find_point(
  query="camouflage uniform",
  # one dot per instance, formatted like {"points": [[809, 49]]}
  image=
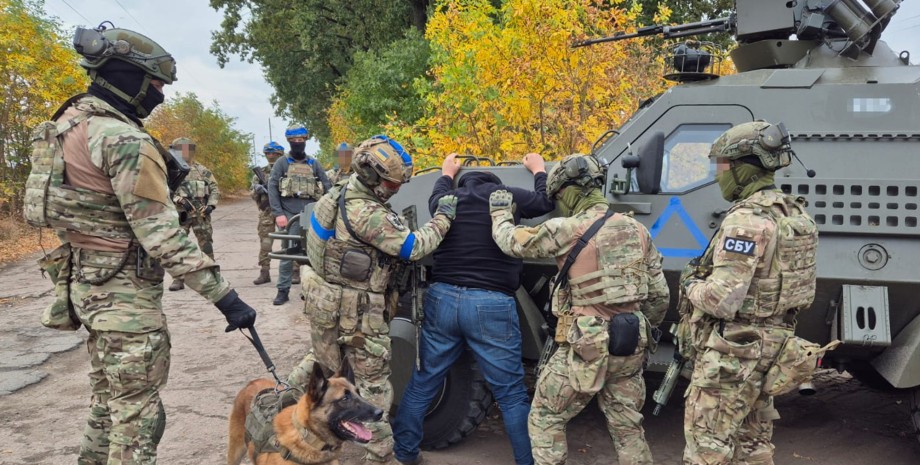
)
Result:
{"points": [[582, 366], [266, 219], [350, 317], [197, 192], [128, 340], [338, 174], [757, 272]]}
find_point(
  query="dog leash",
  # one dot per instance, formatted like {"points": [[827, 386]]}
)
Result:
{"points": [[257, 343]]}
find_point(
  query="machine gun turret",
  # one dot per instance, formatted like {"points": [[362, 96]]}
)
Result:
{"points": [[669, 32]]}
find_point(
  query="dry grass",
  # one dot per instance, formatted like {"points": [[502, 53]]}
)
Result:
{"points": [[17, 239]]}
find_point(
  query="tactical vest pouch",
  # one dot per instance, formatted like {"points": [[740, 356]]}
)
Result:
{"points": [[624, 334], [198, 189], [589, 339], [299, 182], [325, 299], [44, 166], [356, 265], [60, 314], [795, 364], [266, 405]]}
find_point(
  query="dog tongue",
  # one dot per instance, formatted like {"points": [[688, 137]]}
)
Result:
{"points": [[362, 433]]}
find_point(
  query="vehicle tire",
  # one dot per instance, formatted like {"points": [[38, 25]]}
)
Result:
{"points": [[460, 404], [869, 377], [914, 399]]}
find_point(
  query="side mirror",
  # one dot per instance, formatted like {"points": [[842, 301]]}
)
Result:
{"points": [[651, 156]]}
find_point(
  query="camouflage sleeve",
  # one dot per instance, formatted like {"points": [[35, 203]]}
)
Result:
{"points": [[213, 190], [138, 176], [381, 227], [659, 296], [739, 246], [553, 238]]}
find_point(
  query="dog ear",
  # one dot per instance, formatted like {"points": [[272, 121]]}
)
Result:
{"points": [[346, 372], [318, 384]]}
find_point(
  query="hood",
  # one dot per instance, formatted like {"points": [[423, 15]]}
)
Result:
{"points": [[476, 178]]}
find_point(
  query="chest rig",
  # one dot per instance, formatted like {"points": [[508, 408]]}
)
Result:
{"points": [[300, 180], [350, 261]]}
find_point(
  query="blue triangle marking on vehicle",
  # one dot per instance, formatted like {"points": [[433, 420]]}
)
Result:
{"points": [[674, 206]]}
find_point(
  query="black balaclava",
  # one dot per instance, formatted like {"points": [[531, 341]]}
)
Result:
{"points": [[129, 79], [477, 177], [297, 150]]}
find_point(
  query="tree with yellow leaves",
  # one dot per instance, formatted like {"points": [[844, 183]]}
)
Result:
{"points": [[506, 81], [38, 72], [220, 147]]}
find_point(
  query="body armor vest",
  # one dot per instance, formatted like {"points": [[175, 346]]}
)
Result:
{"points": [[300, 180], [339, 257], [51, 203], [788, 276], [620, 275]]}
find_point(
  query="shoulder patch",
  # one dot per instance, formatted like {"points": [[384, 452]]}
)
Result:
{"points": [[151, 176], [738, 245], [397, 223]]}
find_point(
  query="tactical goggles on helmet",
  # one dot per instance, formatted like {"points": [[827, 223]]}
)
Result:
{"points": [[99, 45]]}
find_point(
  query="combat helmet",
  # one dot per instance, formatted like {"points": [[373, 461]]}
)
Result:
{"points": [[296, 130], [179, 141], [100, 46], [575, 169], [381, 158], [766, 143], [344, 147], [272, 147]]}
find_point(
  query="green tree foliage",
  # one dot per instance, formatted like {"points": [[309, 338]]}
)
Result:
{"points": [[38, 71], [379, 89], [220, 147], [306, 47]]}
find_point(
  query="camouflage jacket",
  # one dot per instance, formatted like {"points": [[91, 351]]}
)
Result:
{"points": [[199, 188], [337, 175], [741, 254], [556, 238], [261, 199], [378, 225], [123, 156]]}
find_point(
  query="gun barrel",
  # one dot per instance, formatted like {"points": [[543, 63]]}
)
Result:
{"points": [[668, 32]]}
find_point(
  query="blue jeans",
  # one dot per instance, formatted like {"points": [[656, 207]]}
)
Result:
{"points": [[286, 267], [487, 322]]}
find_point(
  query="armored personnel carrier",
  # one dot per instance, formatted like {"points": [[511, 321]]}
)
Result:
{"points": [[852, 108]]}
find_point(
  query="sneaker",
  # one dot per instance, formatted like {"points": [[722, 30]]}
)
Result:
{"points": [[282, 297], [416, 461]]}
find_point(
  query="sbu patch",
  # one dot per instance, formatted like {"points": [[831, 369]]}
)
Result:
{"points": [[397, 223], [736, 245]]}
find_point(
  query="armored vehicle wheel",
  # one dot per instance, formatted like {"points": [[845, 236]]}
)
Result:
{"points": [[869, 377], [915, 410], [460, 405]]}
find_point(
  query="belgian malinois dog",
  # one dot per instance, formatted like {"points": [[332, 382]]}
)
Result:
{"points": [[312, 430]]}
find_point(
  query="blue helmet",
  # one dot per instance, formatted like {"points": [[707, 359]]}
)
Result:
{"points": [[344, 147], [273, 147], [296, 130]]}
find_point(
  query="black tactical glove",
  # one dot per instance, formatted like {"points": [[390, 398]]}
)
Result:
{"points": [[237, 312], [209, 209]]}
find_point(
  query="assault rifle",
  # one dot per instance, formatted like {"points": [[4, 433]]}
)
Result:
{"points": [[666, 388], [260, 175], [669, 32], [413, 278]]}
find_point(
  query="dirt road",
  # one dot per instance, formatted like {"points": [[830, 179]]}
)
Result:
{"points": [[44, 392]]}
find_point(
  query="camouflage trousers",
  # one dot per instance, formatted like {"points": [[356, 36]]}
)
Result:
{"points": [[126, 416], [204, 232], [571, 378], [728, 419], [128, 347], [266, 226], [350, 323]]}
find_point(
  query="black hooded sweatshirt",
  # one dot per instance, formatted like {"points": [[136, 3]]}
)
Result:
{"points": [[468, 256]]}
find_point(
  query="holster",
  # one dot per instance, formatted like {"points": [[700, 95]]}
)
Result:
{"points": [[60, 314]]}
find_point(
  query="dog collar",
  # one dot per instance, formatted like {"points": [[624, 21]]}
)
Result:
{"points": [[309, 437]]}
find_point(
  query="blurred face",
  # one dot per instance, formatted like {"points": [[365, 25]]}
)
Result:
{"points": [[722, 165], [344, 159], [188, 151]]}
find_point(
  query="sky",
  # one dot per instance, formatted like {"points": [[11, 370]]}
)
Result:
{"points": [[183, 28]]}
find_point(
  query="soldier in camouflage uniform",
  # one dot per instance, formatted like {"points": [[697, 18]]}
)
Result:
{"points": [[343, 169], [756, 274], [196, 199], [615, 287], [295, 181], [273, 151], [100, 181], [354, 243]]}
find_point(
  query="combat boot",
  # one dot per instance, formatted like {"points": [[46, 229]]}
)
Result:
{"points": [[264, 277], [282, 297], [295, 275], [418, 460], [177, 285]]}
